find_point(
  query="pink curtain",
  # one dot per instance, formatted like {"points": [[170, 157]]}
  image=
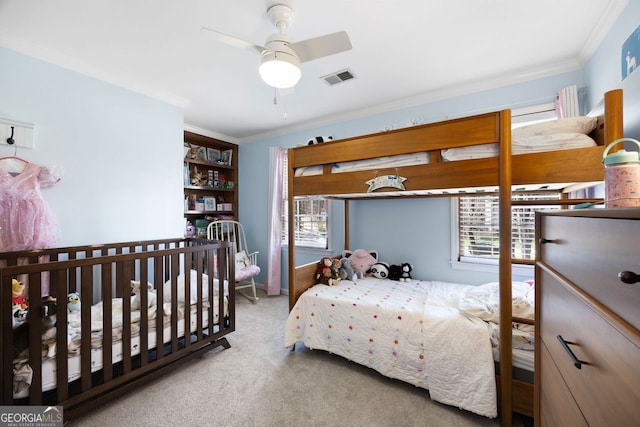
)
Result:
{"points": [[274, 274]]}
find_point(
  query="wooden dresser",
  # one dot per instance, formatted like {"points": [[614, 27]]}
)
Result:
{"points": [[587, 356]]}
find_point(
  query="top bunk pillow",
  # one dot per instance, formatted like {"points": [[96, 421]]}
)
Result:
{"points": [[580, 124]]}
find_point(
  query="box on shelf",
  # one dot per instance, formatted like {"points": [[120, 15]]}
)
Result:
{"points": [[224, 206]]}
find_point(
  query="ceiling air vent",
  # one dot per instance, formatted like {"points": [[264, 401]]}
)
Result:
{"points": [[338, 77]]}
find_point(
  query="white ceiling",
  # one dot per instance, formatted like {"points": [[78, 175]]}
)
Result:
{"points": [[405, 52]]}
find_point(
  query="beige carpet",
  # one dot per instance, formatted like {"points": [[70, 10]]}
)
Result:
{"points": [[257, 382]]}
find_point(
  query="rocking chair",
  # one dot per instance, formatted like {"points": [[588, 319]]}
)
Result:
{"points": [[246, 263]]}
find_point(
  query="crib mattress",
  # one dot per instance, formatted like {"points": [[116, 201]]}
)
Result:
{"points": [[22, 371]]}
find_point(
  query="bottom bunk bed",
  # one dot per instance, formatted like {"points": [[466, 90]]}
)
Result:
{"points": [[443, 337], [94, 321]]}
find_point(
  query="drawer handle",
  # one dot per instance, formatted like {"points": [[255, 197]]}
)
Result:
{"points": [[629, 277], [544, 241], [576, 362]]}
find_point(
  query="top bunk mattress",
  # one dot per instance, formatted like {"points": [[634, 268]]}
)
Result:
{"points": [[561, 134]]}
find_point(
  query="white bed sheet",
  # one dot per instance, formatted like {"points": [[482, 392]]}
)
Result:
{"points": [[410, 331]]}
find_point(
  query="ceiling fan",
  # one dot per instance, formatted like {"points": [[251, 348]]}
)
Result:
{"points": [[281, 57]]}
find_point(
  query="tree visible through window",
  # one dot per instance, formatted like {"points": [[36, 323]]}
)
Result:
{"points": [[310, 219]]}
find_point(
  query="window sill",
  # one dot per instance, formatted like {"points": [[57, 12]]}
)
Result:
{"points": [[516, 269], [309, 250]]}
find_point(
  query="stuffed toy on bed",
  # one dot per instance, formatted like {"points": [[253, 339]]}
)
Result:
{"points": [[401, 273], [361, 260], [319, 139], [346, 271], [380, 270], [324, 272]]}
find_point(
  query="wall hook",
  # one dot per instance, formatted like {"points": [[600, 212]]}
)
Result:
{"points": [[10, 140]]}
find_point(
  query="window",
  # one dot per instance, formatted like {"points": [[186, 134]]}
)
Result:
{"points": [[478, 239], [476, 223], [311, 217]]}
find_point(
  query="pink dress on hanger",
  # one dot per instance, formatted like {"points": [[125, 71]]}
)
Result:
{"points": [[26, 220]]}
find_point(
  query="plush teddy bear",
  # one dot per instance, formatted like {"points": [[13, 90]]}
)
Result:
{"points": [[152, 297], [361, 260], [346, 271], [324, 273], [335, 269], [380, 270]]}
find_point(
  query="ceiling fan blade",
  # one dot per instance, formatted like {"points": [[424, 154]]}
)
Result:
{"points": [[319, 47], [232, 41]]}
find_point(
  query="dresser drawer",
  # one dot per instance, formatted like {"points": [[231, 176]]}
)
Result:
{"points": [[607, 387], [557, 407], [590, 252]]}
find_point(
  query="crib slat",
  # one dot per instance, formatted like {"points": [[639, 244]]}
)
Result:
{"points": [[158, 274], [174, 266], [123, 277], [107, 321], [144, 311], [86, 292], [59, 280], [35, 336]]}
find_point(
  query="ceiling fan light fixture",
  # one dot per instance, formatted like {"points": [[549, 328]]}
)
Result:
{"points": [[280, 70]]}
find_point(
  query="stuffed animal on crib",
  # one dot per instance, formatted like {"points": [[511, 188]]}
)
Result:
{"points": [[346, 271], [17, 297], [380, 270], [324, 272], [401, 273], [152, 297], [361, 260], [73, 302], [21, 332]]}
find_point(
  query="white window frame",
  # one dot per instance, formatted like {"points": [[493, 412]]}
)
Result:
{"points": [[300, 243]]}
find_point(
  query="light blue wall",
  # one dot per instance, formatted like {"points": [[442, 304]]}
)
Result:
{"points": [[602, 72], [418, 230], [120, 152]]}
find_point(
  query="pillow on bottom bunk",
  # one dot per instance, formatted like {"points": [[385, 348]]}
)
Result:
{"points": [[483, 301]]}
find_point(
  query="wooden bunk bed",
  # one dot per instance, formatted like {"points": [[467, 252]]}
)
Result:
{"points": [[445, 178], [186, 309]]}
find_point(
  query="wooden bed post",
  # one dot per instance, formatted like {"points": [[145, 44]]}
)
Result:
{"points": [[291, 231], [505, 401], [346, 224], [613, 119]]}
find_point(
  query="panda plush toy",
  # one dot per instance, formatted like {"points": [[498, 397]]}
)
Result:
{"points": [[319, 139], [380, 270]]}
